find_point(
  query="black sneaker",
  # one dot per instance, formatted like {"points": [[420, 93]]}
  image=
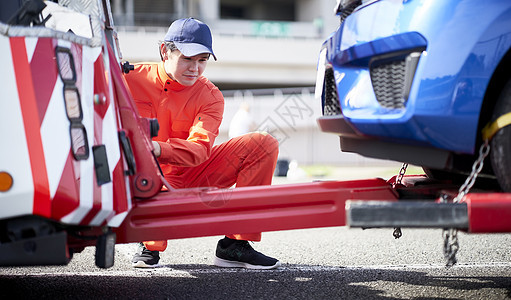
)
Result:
{"points": [[145, 258], [239, 254]]}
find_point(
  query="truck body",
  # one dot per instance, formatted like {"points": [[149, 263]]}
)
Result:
{"points": [[77, 167]]}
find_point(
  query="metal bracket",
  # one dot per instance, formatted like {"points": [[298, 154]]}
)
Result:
{"points": [[414, 214]]}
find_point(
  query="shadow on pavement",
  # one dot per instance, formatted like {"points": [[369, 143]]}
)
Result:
{"points": [[288, 282]]}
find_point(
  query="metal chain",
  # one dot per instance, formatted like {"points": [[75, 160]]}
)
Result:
{"points": [[401, 174], [476, 169], [451, 243], [397, 231], [451, 246]]}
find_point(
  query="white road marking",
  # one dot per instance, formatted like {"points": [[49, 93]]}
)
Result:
{"points": [[187, 271]]}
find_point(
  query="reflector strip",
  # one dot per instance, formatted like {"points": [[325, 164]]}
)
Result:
{"points": [[42, 203]]}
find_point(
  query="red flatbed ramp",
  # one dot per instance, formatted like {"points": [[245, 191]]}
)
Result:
{"points": [[186, 213]]}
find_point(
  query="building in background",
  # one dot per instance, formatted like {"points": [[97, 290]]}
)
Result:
{"points": [[259, 44], [267, 54]]}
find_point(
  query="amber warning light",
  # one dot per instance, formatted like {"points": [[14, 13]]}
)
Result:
{"points": [[5, 181]]}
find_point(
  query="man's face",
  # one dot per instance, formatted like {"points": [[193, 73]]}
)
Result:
{"points": [[183, 69]]}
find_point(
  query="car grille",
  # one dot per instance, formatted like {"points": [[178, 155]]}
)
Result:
{"points": [[331, 106], [388, 83], [392, 78]]}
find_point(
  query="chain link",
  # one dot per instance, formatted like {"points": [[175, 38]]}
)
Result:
{"points": [[397, 230], [451, 246], [397, 233], [451, 243], [401, 174], [476, 169]]}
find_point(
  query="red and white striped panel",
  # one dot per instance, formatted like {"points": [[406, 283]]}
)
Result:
{"points": [[36, 143]]}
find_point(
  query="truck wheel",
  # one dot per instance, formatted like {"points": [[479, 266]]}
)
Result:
{"points": [[105, 250], [500, 153]]}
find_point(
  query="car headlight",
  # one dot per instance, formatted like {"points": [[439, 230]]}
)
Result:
{"points": [[342, 5], [344, 8], [320, 75]]}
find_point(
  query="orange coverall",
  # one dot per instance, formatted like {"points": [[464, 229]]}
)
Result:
{"points": [[189, 118]]}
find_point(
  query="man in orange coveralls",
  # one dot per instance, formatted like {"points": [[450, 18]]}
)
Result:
{"points": [[189, 109]]}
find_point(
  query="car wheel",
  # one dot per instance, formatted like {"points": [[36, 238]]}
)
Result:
{"points": [[485, 180], [443, 175], [500, 153]]}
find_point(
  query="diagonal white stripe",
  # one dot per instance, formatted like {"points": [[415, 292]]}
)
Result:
{"points": [[55, 137], [15, 158]]}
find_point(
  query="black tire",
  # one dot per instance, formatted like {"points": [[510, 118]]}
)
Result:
{"points": [[500, 153], [485, 180], [442, 175]]}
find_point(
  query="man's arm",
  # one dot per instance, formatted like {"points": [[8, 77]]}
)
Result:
{"points": [[197, 147]]}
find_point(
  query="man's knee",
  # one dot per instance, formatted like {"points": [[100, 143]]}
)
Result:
{"points": [[265, 141]]}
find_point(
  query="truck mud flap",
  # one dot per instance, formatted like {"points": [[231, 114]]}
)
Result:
{"points": [[39, 250]]}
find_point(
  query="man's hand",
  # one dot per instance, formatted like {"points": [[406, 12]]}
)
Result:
{"points": [[157, 149]]}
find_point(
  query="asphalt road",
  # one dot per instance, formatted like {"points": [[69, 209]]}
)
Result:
{"points": [[321, 263]]}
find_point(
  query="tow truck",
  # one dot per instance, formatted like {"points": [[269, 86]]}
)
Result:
{"points": [[77, 167]]}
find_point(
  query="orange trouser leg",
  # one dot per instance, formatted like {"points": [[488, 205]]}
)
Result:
{"points": [[156, 245], [247, 160], [254, 237]]}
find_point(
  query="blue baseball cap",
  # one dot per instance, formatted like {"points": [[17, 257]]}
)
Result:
{"points": [[191, 37]]}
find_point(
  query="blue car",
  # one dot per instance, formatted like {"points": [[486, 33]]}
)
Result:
{"points": [[416, 81]]}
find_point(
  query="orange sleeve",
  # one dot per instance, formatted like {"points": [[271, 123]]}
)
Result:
{"points": [[202, 134], [203, 106]]}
